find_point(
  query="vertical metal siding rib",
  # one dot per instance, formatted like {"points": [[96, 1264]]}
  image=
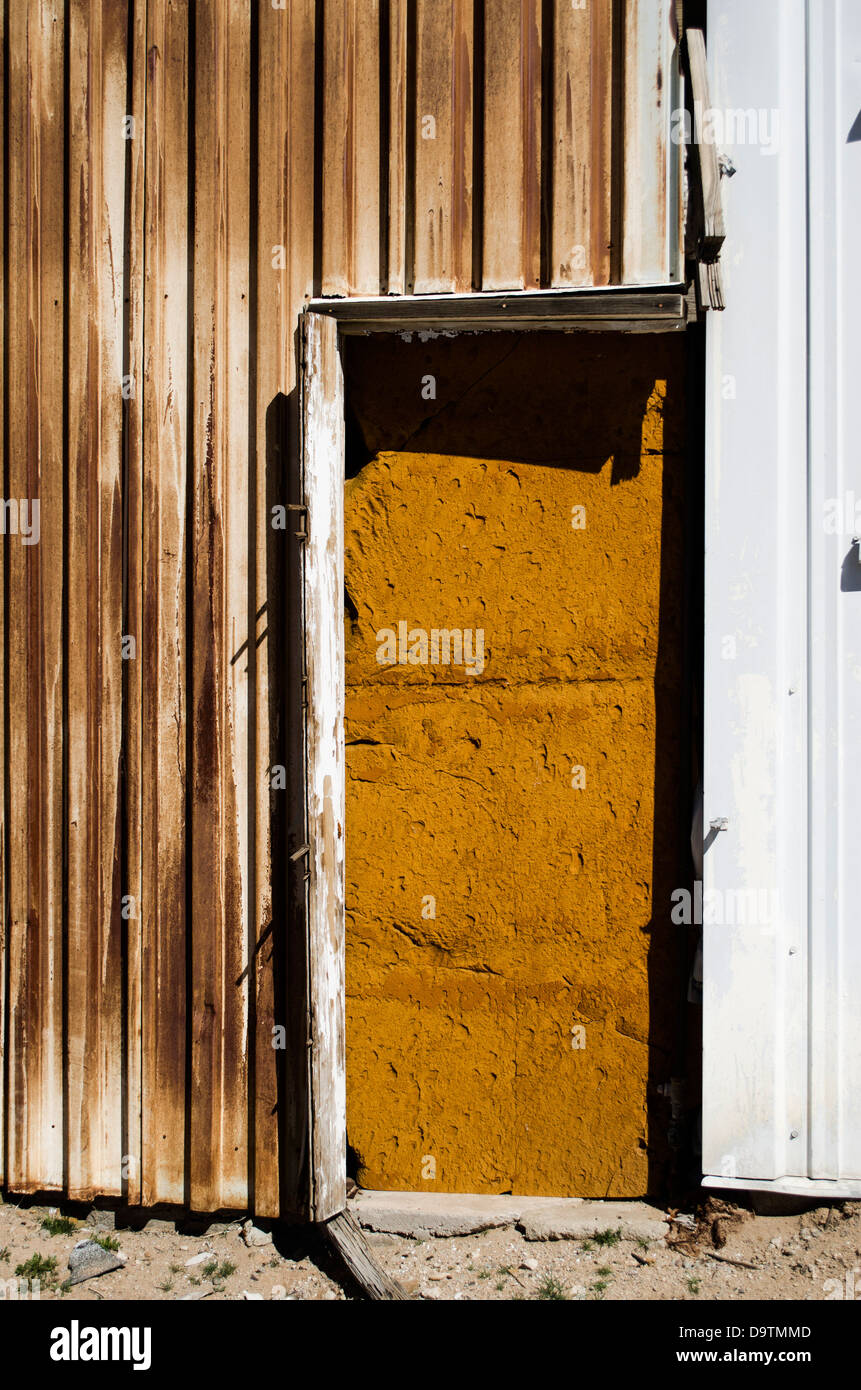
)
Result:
{"points": [[583, 43], [3, 620], [97, 91], [133, 591], [511, 254], [285, 224], [351, 148], [35, 597], [222, 624], [650, 89], [443, 146], [159, 534], [398, 192]]}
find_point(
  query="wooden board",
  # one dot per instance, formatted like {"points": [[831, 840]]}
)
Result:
{"points": [[323, 483], [713, 229], [348, 1240]]}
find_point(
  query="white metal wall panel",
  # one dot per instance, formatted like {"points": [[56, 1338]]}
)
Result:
{"points": [[754, 766], [835, 589], [782, 999]]}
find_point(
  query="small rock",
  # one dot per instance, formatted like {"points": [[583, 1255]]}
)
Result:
{"points": [[102, 1220], [252, 1297], [198, 1259], [409, 1285], [577, 1291], [88, 1260], [529, 1264], [432, 1294], [253, 1236], [195, 1297]]}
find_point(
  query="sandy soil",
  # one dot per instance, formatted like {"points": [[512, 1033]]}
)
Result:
{"points": [[813, 1256]]}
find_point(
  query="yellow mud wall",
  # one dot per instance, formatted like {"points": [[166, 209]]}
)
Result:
{"points": [[513, 831]]}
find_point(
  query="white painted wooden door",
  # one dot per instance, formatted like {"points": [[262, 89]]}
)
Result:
{"points": [[323, 488]]}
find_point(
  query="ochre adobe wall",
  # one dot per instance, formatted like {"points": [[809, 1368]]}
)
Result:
{"points": [[550, 901]]}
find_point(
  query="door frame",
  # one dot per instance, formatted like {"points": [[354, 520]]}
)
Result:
{"points": [[646, 309]]}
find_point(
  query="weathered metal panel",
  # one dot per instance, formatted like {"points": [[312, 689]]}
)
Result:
{"points": [[407, 145], [782, 1039], [834, 160], [755, 1122], [323, 487]]}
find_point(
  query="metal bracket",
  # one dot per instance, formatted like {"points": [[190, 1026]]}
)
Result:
{"points": [[300, 507]]}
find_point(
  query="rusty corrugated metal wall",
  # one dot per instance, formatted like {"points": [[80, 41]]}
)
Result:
{"points": [[179, 179]]}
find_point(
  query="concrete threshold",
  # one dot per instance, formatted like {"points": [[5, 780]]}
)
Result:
{"points": [[424, 1214]]}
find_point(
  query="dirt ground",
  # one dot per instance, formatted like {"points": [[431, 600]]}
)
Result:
{"points": [[719, 1252]]}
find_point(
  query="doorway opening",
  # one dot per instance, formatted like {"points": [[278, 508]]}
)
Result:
{"points": [[521, 757]]}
